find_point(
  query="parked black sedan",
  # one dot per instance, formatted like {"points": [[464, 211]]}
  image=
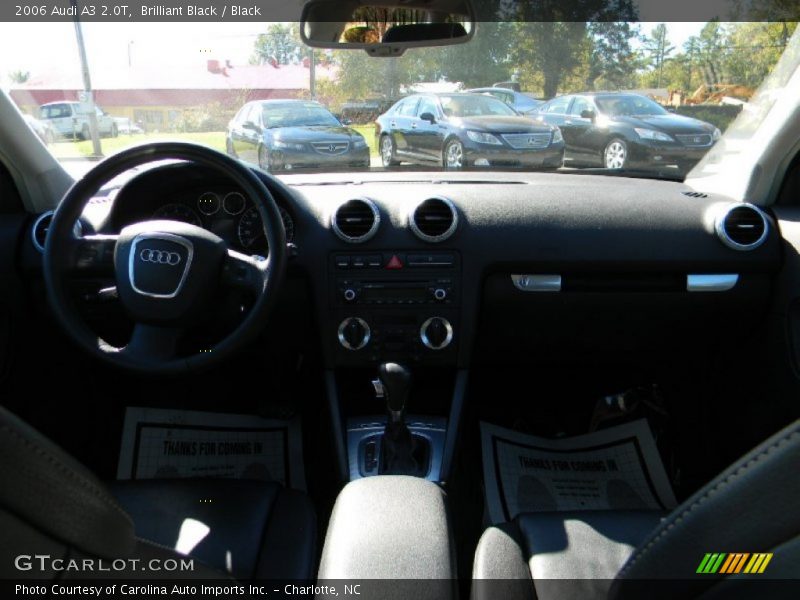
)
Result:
{"points": [[280, 135], [465, 130], [618, 130]]}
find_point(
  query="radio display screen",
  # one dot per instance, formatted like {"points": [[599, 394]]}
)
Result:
{"points": [[394, 293]]}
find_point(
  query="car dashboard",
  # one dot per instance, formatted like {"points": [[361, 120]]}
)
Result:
{"points": [[458, 269]]}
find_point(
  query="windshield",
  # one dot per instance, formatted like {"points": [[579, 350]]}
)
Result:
{"points": [[233, 85], [290, 115], [474, 106], [616, 106]]}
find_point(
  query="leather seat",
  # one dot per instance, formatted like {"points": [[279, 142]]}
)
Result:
{"points": [[750, 507], [52, 505]]}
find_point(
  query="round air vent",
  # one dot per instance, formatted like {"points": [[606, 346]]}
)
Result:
{"points": [[40, 227], [742, 226], [356, 220], [434, 219]]}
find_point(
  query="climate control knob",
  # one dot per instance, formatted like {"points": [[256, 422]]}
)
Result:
{"points": [[436, 333], [354, 333]]}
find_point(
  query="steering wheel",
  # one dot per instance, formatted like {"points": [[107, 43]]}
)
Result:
{"points": [[167, 272]]}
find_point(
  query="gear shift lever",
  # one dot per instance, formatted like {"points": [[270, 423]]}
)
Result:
{"points": [[396, 380], [398, 447]]}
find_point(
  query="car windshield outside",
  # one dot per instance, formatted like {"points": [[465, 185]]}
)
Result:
{"points": [[463, 105], [290, 115], [665, 94], [628, 105]]}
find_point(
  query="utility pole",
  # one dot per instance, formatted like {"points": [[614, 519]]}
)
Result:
{"points": [[87, 85], [312, 74]]}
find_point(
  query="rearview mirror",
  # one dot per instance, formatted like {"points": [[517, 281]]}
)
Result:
{"points": [[588, 114], [385, 30], [429, 117]]}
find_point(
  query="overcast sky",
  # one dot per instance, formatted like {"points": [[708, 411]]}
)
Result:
{"points": [[36, 46]]}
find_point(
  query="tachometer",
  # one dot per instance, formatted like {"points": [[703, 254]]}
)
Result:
{"points": [[178, 212], [251, 231]]}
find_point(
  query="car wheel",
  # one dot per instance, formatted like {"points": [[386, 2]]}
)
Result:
{"points": [[616, 154], [453, 155], [263, 158], [85, 133], [387, 152]]}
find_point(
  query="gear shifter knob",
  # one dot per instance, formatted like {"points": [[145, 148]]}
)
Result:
{"points": [[396, 380]]}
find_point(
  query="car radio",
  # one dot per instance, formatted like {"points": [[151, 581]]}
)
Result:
{"points": [[395, 305], [429, 291]]}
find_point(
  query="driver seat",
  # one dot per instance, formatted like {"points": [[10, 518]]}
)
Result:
{"points": [[52, 505]]}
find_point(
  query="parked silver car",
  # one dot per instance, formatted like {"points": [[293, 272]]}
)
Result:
{"points": [[71, 119]]}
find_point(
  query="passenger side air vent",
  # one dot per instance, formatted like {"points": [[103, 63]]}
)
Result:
{"points": [[693, 194], [742, 226], [356, 220], [434, 219]]}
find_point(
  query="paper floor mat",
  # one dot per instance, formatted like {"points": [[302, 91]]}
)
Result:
{"points": [[160, 443], [613, 469]]}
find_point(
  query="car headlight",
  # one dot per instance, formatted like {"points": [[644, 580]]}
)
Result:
{"points": [[483, 138], [717, 134], [359, 142], [284, 145], [651, 134], [557, 137]]}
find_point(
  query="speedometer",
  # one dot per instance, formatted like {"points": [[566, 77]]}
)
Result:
{"points": [[178, 212], [251, 230]]}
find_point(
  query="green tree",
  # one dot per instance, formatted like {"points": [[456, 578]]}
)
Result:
{"points": [[19, 76], [657, 49], [281, 42], [612, 60]]}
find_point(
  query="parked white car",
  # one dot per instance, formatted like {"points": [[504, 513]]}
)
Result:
{"points": [[126, 127], [71, 119]]}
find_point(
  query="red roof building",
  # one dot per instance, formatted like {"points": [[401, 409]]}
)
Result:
{"points": [[157, 98]]}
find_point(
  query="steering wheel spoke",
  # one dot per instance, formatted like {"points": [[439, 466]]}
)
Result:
{"points": [[152, 343], [242, 271], [93, 253]]}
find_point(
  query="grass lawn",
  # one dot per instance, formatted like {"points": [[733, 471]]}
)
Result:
{"points": [[70, 149], [214, 139], [368, 131]]}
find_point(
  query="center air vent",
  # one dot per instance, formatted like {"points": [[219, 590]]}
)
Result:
{"points": [[742, 226], [356, 220], [434, 219], [694, 194]]}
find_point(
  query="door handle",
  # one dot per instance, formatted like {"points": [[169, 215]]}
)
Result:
{"points": [[413, 126], [393, 123]]}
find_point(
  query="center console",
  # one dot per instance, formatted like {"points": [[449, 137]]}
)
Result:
{"points": [[395, 306]]}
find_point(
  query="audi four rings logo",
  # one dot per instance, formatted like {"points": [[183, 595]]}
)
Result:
{"points": [[161, 257]]}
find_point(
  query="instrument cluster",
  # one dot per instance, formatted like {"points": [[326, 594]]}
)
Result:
{"points": [[228, 214]]}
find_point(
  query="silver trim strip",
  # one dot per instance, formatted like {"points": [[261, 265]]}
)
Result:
{"points": [[537, 283], [434, 238], [719, 226], [343, 341], [424, 336], [168, 237], [372, 231], [711, 282]]}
